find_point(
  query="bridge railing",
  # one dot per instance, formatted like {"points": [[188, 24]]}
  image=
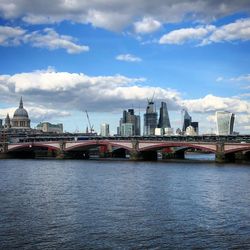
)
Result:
{"points": [[73, 137]]}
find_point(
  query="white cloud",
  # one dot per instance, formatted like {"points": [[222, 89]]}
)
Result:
{"points": [[128, 58], [146, 25], [239, 30], [116, 15], [10, 35], [181, 36], [211, 103], [204, 35], [48, 38], [37, 114], [77, 91], [242, 78], [219, 79]]}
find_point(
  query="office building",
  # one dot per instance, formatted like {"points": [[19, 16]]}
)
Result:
{"points": [[195, 125], [104, 129], [130, 118], [150, 119], [225, 122], [164, 117], [127, 129], [187, 119], [50, 128], [158, 131]]}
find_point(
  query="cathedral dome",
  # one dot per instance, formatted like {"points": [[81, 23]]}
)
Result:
{"points": [[21, 112]]}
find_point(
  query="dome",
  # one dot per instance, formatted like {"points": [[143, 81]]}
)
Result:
{"points": [[21, 112]]}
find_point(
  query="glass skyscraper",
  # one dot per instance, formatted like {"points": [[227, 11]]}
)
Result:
{"points": [[187, 119], [225, 122], [164, 117], [133, 126]]}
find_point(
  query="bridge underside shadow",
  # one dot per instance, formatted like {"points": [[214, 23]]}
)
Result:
{"points": [[32, 153]]}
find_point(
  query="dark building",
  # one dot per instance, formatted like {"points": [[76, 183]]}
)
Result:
{"points": [[187, 119], [164, 117], [195, 125], [150, 119], [130, 118]]}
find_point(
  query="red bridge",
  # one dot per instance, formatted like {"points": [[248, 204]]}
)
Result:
{"points": [[136, 148]]}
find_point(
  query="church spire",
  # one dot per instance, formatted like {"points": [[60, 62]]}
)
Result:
{"points": [[21, 103]]}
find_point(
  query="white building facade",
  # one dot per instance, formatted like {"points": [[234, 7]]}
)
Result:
{"points": [[225, 122], [104, 130]]}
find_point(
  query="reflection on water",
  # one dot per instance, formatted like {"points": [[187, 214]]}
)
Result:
{"points": [[123, 205]]}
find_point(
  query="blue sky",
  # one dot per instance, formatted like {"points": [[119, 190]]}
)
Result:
{"points": [[67, 56]]}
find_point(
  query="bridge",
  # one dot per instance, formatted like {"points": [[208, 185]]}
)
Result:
{"points": [[138, 148]]}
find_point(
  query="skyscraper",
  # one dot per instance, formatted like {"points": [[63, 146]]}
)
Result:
{"points": [[104, 129], [133, 120], [225, 122], [150, 119], [187, 119], [164, 118]]}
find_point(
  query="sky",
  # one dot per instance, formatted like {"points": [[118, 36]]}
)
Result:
{"points": [[67, 56]]}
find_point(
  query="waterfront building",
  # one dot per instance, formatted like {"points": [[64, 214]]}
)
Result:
{"points": [[187, 119], [150, 119], [164, 121], [50, 128], [225, 122], [127, 129], [104, 129], [158, 131], [168, 131], [129, 117]]}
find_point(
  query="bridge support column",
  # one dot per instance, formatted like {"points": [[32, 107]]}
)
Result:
{"points": [[60, 154], [135, 154], [220, 156], [105, 151]]}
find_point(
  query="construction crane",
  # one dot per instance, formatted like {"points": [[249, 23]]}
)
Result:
{"points": [[91, 127]]}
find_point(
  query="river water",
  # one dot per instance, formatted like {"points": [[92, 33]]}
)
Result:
{"points": [[53, 204]]}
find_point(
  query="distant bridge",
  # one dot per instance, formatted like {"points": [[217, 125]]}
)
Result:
{"points": [[134, 146]]}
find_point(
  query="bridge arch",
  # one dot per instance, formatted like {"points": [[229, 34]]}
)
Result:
{"points": [[91, 144], [185, 146], [30, 146], [237, 150]]}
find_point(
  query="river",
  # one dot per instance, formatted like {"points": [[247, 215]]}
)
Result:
{"points": [[77, 204]]}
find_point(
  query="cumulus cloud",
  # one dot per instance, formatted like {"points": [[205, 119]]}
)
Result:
{"points": [[128, 58], [51, 40], [238, 30], [10, 36], [204, 35], [211, 103], [78, 91], [47, 38], [181, 36], [146, 25], [116, 15]]}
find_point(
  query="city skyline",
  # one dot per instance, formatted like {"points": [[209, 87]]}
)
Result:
{"points": [[77, 56]]}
